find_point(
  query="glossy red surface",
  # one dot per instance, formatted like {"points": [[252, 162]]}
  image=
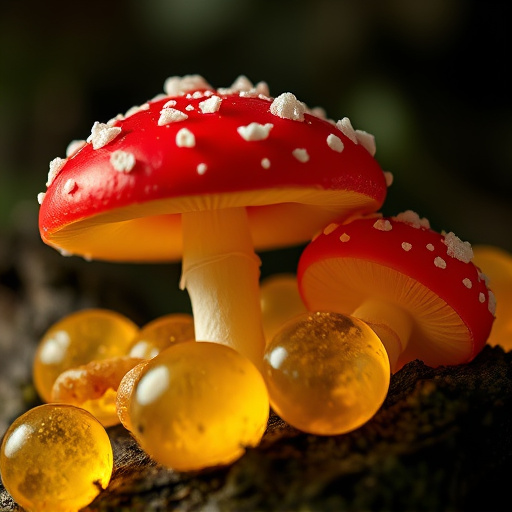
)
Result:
{"points": [[385, 248], [165, 171]]}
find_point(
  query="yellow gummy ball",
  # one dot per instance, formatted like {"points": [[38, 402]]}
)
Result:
{"points": [[496, 264], [326, 373], [197, 405], [77, 339], [280, 301], [55, 458], [161, 333]]}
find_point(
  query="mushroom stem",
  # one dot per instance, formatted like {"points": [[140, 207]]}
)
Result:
{"points": [[221, 275], [391, 323]]}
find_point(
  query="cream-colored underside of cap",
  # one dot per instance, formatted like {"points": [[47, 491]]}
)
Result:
{"points": [[438, 337], [152, 231]]}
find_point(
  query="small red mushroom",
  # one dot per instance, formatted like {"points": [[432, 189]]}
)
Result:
{"points": [[417, 288], [210, 175]]}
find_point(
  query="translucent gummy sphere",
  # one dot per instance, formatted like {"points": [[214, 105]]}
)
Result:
{"points": [[326, 373], [280, 301], [161, 333], [55, 458], [197, 405], [77, 339]]}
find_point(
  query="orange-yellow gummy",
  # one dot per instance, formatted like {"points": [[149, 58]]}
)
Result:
{"points": [[161, 333], [496, 264], [93, 387], [280, 301], [55, 458], [326, 373], [124, 393], [197, 405], [77, 339]]}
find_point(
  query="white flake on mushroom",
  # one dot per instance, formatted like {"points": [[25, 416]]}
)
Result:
{"points": [[211, 105], [430, 247], [171, 115], [122, 161], [185, 138], [265, 163], [346, 128], [335, 143], [102, 134], [40, 197], [301, 155], [388, 176], [383, 225], [170, 104], [178, 86], [56, 166], [439, 262], [413, 219], [74, 146], [69, 186], [481, 297], [406, 246], [367, 140], [491, 303], [136, 109], [344, 237], [287, 106], [255, 131], [201, 168], [467, 283], [457, 248]]}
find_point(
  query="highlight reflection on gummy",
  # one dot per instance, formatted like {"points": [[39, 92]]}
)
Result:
{"points": [[327, 373]]}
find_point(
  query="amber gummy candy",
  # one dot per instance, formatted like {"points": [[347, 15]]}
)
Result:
{"points": [[55, 458]]}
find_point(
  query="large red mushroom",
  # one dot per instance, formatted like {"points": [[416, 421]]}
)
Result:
{"points": [[209, 175]]}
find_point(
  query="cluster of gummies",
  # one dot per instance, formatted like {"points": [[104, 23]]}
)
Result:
{"points": [[189, 404]]}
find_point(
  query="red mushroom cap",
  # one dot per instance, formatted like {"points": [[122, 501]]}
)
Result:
{"points": [[402, 261], [119, 195]]}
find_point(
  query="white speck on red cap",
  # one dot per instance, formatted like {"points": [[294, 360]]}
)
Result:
{"points": [[171, 115], [481, 297], [265, 163], [136, 109], [367, 140], [457, 248], [102, 134], [255, 131], [211, 105], [430, 247], [301, 155], [201, 169], [178, 86], [467, 283], [185, 138], [344, 237], [287, 106], [69, 186], [335, 143], [389, 178], [55, 167], [406, 246], [122, 161], [383, 225], [74, 146], [439, 262], [40, 197], [170, 104], [413, 219], [492, 303], [346, 128]]}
